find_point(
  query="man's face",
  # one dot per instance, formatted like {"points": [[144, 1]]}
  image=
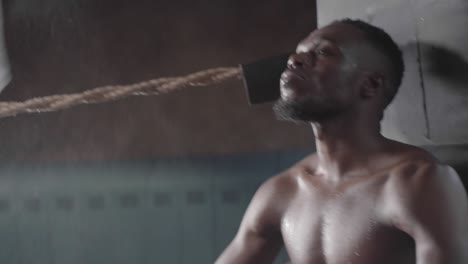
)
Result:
{"points": [[322, 78]]}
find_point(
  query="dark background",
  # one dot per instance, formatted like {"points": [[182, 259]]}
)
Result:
{"points": [[60, 46]]}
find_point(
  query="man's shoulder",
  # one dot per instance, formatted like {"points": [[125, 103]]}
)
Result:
{"points": [[420, 175], [417, 164], [289, 175], [283, 185], [424, 188], [270, 201], [279, 185]]}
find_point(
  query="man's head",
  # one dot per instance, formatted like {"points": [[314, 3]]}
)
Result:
{"points": [[347, 65]]}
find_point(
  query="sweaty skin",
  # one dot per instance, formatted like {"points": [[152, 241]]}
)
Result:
{"points": [[361, 198]]}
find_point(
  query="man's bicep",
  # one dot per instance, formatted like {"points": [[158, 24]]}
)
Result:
{"points": [[258, 239]]}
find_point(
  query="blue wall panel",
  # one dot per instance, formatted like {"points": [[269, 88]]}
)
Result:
{"points": [[174, 211]]}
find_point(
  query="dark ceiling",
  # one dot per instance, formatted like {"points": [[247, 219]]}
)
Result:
{"points": [[58, 46]]}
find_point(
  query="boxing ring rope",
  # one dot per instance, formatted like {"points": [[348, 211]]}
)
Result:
{"points": [[114, 92]]}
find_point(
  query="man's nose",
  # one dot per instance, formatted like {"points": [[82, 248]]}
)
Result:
{"points": [[298, 61]]}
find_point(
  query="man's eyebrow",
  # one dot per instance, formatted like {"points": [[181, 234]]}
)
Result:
{"points": [[317, 41], [327, 39]]}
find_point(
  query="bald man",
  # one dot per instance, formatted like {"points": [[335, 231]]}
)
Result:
{"points": [[361, 198]]}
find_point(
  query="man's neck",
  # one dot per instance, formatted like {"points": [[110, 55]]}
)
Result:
{"points": [[345, 147]]}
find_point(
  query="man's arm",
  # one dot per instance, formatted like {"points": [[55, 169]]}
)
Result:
{"points": [[259, 238], [433, 209]]}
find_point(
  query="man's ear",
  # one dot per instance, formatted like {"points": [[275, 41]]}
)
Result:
{"points": [[373, 84]]}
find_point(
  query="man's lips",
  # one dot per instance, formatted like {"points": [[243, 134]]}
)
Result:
{"points": [[290, 74]]}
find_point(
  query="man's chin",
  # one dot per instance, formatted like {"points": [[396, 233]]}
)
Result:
{"points": [[298, 111], [289, 110]]}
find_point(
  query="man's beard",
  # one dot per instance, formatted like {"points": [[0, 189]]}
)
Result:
{"points": [[305, 110]]}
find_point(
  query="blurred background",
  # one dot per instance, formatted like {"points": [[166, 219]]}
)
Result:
{"points": [[166, 179]]}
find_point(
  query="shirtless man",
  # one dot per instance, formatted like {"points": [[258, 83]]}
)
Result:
{"points": [[362, 198]]}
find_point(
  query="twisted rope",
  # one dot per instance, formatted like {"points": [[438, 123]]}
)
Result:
{"points": [[114, 92]]}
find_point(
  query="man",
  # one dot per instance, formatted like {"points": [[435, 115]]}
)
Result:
{"points": [[362, 198]]}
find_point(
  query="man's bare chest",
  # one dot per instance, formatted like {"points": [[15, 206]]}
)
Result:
{"points": [[342, 227]]}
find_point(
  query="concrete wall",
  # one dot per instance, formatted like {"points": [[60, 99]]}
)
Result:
{"points": [[172, 211], [432, 105]]}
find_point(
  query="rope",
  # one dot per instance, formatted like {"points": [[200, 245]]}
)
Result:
{"points": [[114, 92]]}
